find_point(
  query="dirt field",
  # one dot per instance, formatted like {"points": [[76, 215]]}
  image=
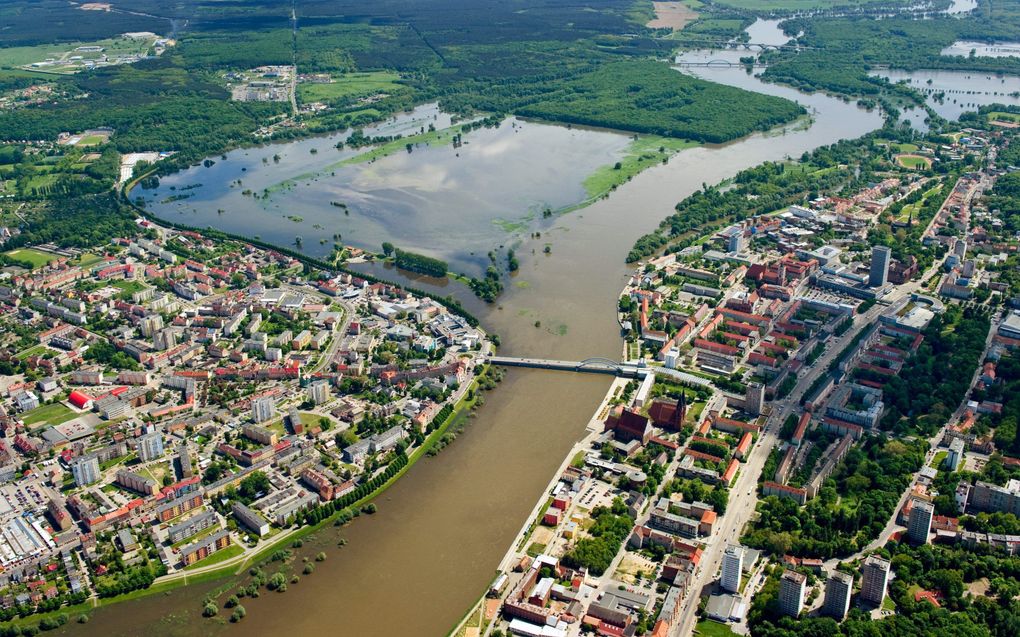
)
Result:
{"points": [[671, 15], [631, 564]]}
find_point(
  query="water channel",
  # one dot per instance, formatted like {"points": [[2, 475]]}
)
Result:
{"points": [[426, 556]]}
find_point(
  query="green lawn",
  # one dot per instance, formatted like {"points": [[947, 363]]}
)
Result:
{"points": [[219, 556], [1003, 116], [915, 208], [87, 259], [903, 148], [112, 462], [53, 414], [37, 258], [940, 457], [914, 162], [128, 287], [713, 629], [92, 140], [35, 350], [350, 85]]}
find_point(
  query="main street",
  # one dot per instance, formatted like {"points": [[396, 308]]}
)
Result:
{"points": [[744, 492]]}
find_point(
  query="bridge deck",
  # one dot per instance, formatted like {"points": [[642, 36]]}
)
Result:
{"points": [[600, 366]]}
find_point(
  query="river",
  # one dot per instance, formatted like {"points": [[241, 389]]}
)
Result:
{"points": [[425, 557]]}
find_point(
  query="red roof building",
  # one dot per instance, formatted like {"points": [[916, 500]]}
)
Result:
{"points": [[80, 400]]}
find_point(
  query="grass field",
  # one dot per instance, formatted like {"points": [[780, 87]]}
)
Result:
{"points": [[53, 414], [940, 457], [642, 153], [350, 85], [1003, 116], [913, 162], [35, 350], [915, 208], [37, 258], [92, 140], [87, 259], [710, 628], [128, 288]]}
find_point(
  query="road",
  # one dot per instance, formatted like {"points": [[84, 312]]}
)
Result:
{"points": [[743, 493], [891, 526]]}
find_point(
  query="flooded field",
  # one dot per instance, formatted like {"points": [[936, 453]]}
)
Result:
{"points": [[952, 93], [453, 203]]}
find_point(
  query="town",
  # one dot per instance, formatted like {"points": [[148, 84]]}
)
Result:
{"points": [[722, 487], [177, 404]]}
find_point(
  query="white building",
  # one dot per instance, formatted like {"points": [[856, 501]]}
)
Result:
{"points": [[262, 409], [732, 566]]}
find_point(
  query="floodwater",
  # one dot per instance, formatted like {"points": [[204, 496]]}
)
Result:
{"points": [[416, 566], [451, 203], [963, 48], [960, 7], [764, 31], [952, 93]]}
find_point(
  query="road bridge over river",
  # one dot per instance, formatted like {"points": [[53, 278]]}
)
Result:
{"points": [[625, 369]]}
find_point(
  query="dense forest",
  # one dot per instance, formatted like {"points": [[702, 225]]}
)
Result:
{"points": [[650, 97], [420, 263], [84, 221], [544, 59], [596, 552]]}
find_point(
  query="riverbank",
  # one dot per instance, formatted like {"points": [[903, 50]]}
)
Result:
{"points": [[592, 430]]}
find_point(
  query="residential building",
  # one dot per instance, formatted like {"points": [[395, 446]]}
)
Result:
{"points": [[920, 521], [754, 399], [136, 482], [955, 457], [205, 547], [191, 526], [318, 392], [262, 409], [732, 566], [991, 497], [250, 518], [85, 470], [150, 447], [792, 586], [879, 272], [838, 589], [874, 579]]}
